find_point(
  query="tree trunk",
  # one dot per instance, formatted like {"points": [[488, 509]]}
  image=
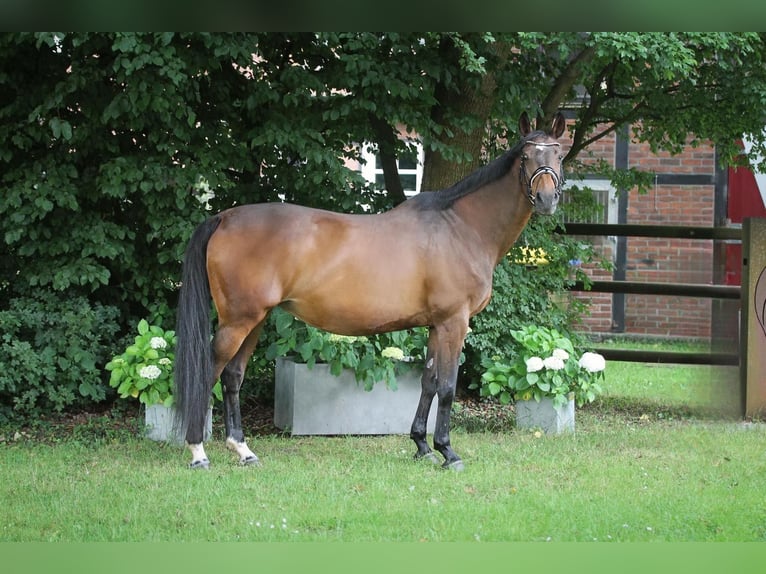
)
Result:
{"points": [[467, 101], [386, 140]]}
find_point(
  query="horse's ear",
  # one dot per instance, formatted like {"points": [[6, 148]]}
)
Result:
{"points": [[524, 127], [559, 123]]}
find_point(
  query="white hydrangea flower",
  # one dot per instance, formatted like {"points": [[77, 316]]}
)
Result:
{"points": [[158, 343], [393, 353], [534, 364], [561, 354], [553, 363], [150, 372], [164, 361], [335, 338], [592, 362]]}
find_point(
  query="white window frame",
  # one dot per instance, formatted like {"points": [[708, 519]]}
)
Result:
{"points": [[611, 205], [370, 172]]}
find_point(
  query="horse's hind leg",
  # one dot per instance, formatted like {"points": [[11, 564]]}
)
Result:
{"points": [[228, 343], [231, 381]]}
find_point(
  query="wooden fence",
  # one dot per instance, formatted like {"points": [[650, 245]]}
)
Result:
{"points": [[654, 288]]}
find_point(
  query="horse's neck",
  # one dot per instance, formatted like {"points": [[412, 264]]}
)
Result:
{"points": [[498, 212]]}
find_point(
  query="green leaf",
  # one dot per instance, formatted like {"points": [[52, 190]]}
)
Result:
{"points": [[306, 351], [143, 327], [283, 322], [115, 377]]}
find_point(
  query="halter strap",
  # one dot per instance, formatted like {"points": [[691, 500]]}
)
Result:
{"points": [[558, 181]]}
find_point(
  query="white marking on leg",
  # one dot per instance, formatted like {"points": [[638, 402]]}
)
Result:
{"points": [[246, 456], [199, 458]]}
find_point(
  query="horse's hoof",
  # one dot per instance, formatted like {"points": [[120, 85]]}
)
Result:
{"points": [[429, 456], [200, 464], [250, 461], [456, 465]]}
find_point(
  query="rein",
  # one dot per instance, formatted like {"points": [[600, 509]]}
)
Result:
{"points": [[558, 181]]}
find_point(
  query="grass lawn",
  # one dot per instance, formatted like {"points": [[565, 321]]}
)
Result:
{"points": [[650, 461]]}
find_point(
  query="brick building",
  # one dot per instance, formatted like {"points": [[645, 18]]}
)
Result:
{"points": [[689, 190]]}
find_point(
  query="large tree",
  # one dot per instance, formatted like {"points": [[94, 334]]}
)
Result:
{"points": [[114, 145], [107, 139]]}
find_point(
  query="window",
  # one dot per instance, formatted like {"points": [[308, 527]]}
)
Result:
{"points": [[410, 164], [603, 194]]}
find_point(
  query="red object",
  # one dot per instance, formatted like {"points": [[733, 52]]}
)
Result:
{"points": [[744, 201]]}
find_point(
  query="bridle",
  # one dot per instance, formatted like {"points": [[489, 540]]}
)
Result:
{"points": [[558, 181]]}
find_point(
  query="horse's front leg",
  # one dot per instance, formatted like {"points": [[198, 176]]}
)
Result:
{"points": [[446, 394], [440, 378], [420, 423]]}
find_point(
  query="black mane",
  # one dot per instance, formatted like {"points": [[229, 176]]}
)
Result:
{"points": [[497, 168]]}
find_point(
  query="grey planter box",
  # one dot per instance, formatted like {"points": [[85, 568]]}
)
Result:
{"points": [[315, 402], [159, 424], [543, 415]]}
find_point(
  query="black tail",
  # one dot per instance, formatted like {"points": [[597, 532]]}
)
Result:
{"points": [[194, 357]]}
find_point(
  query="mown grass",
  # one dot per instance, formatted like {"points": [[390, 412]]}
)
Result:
{"points": [[639, 468]]}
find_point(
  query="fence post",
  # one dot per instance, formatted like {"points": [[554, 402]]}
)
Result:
{"points": [[753, 318]]}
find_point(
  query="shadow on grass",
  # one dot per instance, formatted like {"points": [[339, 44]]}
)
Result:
{"points": [[643, 409], [476, 416], [483, 415]]}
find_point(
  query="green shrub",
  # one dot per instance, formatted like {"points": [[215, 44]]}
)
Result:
{"points": [[544, 363], [144, 370], [51, 349], [525, 294], [374, 359]]}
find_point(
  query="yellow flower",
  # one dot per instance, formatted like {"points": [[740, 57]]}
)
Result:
{"points": [[531, 256]]}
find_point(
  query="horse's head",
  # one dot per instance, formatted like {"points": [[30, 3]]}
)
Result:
{"points": [[541, 172]]}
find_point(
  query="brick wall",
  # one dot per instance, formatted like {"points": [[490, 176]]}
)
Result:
{"points": [[673, 200]]}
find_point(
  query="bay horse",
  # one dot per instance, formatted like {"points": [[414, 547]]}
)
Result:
{"points": [[427, 262]]}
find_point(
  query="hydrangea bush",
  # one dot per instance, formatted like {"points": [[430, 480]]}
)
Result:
{"points": [[544, 363], [374, 359], [145, 369]]}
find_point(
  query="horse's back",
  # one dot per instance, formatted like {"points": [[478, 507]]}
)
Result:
{"points": [[344, 273]]}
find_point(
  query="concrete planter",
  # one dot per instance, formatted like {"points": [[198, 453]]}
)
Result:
{"points": [[315, 402], [159, 424], [545, 416]]}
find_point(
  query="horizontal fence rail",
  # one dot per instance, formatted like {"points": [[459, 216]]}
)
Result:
{"points": [[645, 288], [671, 289], [673, 231], [677, 357]]}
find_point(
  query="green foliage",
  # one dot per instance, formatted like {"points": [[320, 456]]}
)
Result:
{"points": [[544, 363], [145, 369], [113, 146], [526, 294], [50, 349], [379, 358]]}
